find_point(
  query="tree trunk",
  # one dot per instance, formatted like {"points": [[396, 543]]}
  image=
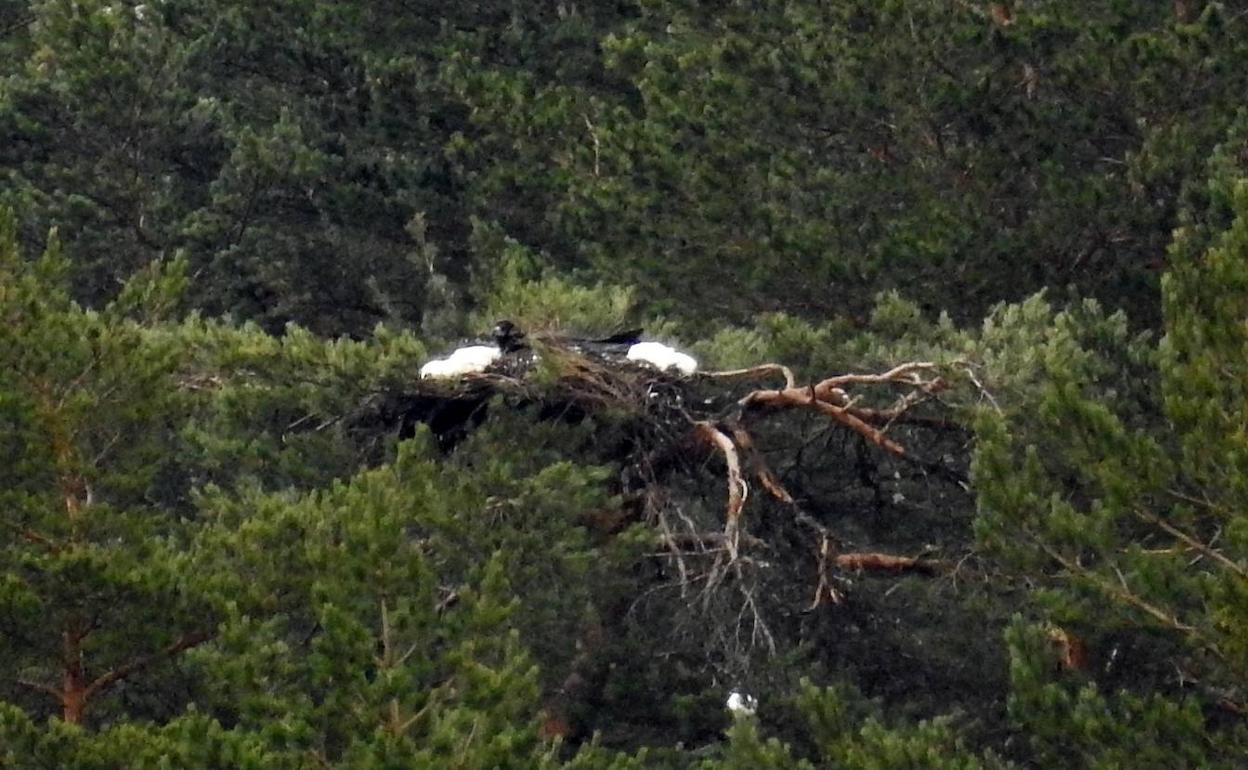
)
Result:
{"points": [[74, 681]]}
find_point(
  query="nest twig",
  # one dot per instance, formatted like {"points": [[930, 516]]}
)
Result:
{"points": [[830, 398]]}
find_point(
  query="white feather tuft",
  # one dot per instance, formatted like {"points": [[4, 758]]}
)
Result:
{"points": [[741, 704], [662, 357], [468, 360]]}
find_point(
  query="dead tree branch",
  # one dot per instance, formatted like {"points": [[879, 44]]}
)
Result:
{"points": [[762, 369], [1193, 542], [705, 541], [109, 678], [1128, 597], [882, 562], [758, 465], [825, 592], [829, 397], [738, 490], [809, 398]]}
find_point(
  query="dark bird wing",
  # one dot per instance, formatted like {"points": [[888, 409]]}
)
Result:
{"points": [[629, 337]]}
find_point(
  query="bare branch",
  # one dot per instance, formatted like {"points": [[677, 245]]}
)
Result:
{"points": [[970, 373], [904, 374], [882, 562], [43, 688], [109, 678], [680, 541], [31, 536], [808, 397], [789, 380], [1212, 553], [738, 491], [764, 474], [824, 591], [593, 134], [1125, 595]]}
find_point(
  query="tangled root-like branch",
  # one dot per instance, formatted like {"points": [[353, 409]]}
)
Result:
{"points": [[828, 397], [738, 490], [723, 562]]}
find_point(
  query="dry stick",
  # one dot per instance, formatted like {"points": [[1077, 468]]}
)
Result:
{"points": [[970, 373], [41, 687], [668, 535], [184, 642], [825, 587], [593, 134], [737, 489], [883, 562], [909, 401], [760, 626], [430, 702], [905, 374], [1204, 503], [765, 476], [789, 380], [864, 562], [807, 397], [1124, 594], [707, 541], [1212, 553]]}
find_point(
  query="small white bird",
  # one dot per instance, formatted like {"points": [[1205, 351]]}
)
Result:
{"points": [[741, 704], [662, 357]]}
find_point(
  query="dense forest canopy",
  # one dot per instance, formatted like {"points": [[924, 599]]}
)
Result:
{"points": [[960, 482]]}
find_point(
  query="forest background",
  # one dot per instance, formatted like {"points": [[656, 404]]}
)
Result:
{"points": [[987, 510]]}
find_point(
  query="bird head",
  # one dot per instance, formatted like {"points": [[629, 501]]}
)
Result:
{"points": [[508, 336]]}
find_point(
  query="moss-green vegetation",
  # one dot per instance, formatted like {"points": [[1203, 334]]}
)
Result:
{"points": [[237, 530]]}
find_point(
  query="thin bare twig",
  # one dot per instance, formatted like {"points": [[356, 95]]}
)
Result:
{"points": [[43, 688], [789, 380], [1212, 553], [1124, 594], [184, 642]]}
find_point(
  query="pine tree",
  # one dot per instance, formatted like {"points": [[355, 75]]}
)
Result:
{"points": [[95, 588], [1123, 487]]}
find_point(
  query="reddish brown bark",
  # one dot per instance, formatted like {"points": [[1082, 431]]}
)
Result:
{"points": [[76, 692], [1072, 653], [809, 398], [759, 466], [73, 680], [737, 489], [553, 726], [882, 562]]}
